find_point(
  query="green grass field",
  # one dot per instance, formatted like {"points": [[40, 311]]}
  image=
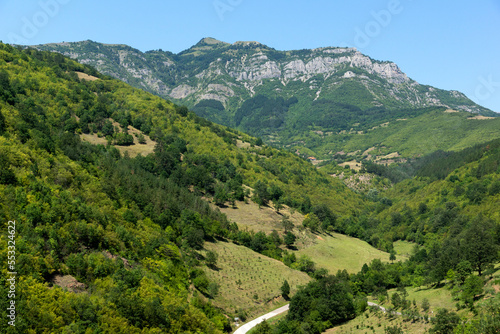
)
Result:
{"points": [[437, 297], [403, 249], [261, 279], [339, 251], [332, 252], [273, 321], [375, 322]]}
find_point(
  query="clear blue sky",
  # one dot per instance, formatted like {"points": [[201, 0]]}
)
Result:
{"points": [[446, 44]]}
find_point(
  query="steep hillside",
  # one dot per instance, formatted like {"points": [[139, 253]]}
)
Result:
{"points": [[125, 228], [292, 98], [449, 208], [410, 137], [109, 240]]}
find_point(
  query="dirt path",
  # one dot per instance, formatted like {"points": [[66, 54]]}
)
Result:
{"points": [[249, 325], [383, 308]]}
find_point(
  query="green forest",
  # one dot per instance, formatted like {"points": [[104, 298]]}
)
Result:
{"points": [[130, 229], [118, 223]]}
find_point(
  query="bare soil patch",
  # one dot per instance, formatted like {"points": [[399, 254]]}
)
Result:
{"points": [[69, 283], [479, 117]]}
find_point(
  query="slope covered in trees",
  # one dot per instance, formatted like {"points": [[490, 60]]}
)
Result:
{"points": [[128, 229], [319, 101]]}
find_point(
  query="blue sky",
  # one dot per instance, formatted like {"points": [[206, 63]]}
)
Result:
{"points": [[446, 44]]}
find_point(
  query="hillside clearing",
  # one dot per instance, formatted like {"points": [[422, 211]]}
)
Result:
{"points": [[375, 322], [330, 251], [338, 252], [353, 164], [249, 215], [404, 248], [250, 281], [481, 117], [132, 150], [85, 76]]}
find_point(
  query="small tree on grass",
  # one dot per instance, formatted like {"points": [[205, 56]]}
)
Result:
{"points": [[480, 248], [221, 194], [289, 239], [394, 330], [262, 328], [396, 300], [425, 305], [260, 195], [213, 289], [312, 222], [464, 269], [277, 205], [473, 286], [141, 138], [444, 322], [287, 224], [285, 290], [392, 256], [211, 259]]}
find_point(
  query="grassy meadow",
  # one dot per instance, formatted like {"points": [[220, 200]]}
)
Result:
{"points": [[332, 251], [338, 252], [375, 322], [403, 249]]}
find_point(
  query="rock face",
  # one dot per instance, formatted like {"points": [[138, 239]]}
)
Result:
{"points": [[233, 73]]}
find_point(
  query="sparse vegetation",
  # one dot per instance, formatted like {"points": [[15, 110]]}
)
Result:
{"points": [[243, 274]]}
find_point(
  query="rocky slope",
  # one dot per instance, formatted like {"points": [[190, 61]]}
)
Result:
{"points": [[225, 72], [278, 95]]}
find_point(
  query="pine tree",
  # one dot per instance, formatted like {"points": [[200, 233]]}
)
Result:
{"points": [[285, 290]]}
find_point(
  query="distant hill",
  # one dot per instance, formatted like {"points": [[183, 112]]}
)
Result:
{"points": [[300, 99]]}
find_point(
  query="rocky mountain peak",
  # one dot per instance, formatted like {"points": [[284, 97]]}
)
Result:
{"points": [[205, 45], [232, 73], [210, 41]]}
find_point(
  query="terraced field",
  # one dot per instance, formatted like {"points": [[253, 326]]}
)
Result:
{"points": [[250, 281]]}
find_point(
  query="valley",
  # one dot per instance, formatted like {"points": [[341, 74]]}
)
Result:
{"points": [[167, 221]]}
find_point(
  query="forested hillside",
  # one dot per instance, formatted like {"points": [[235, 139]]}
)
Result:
{"points": [[126, 230], [112, 241], [444, 206], [319, 102]]}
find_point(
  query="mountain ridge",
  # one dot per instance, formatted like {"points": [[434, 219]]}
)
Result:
{"points": [[322, 60], [294, 99]]}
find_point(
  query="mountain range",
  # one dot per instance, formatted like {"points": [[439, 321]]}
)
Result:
{"points": [[278, 95], [136, 215], [325, 102], [215, 70]]}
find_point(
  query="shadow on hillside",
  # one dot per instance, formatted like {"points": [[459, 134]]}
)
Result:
{"points": [[431, 287]]}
